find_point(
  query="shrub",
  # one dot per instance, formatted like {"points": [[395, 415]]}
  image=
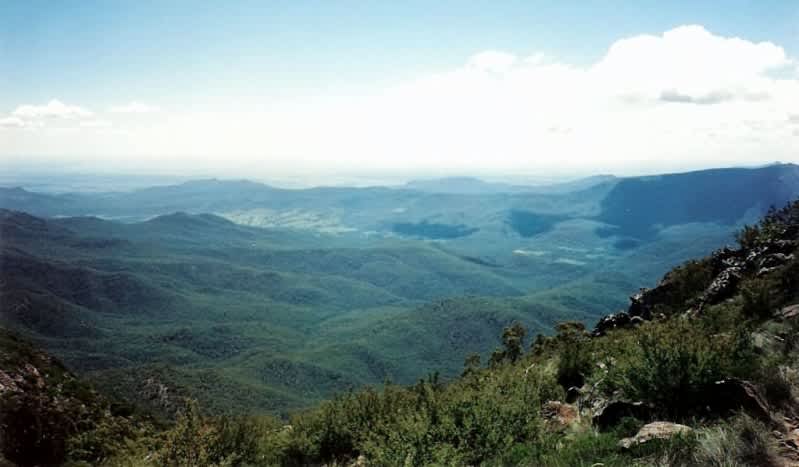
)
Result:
{"points": [[466, 422], [575, 361], [513, 345], [748, 236], [670, 364], [188, 443], [757, 300], [686, 281], [583, 449], [741, 442], [33, 429], [513, 340], [471, 364]]}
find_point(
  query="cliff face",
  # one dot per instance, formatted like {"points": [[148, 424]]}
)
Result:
{"points": [[764, 251], [636, 205]]}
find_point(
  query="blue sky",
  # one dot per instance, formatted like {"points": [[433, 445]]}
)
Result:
{"points": [[194, 61]]}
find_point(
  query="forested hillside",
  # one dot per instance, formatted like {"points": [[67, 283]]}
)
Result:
{"points": [[700, 370], [252, 298], [245, 318]]}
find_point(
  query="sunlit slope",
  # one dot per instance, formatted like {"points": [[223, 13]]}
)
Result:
{"points": [[246, 308]]}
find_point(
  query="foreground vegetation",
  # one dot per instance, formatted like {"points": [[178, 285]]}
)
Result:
{"points": [[724, 366]]}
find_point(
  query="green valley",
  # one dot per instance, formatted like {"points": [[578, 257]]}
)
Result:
{"points": [[270, 316]]}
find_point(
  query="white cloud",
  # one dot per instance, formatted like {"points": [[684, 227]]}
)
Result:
{"points": [[682, 99], [492, 60], [95, 124], [691, 63], [53, 109], [626, 112], [11, 122], [134, 107]]}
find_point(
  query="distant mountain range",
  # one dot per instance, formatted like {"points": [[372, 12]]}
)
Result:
{"points": [[476, 186], [631, 207]]}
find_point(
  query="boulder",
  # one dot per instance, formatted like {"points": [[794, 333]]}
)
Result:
{"points": [[783, 246], [754, 255], [774, 260], [611, 321], [654, 430], [789, 312], [642, 303], [726, 257], [723, 286]]}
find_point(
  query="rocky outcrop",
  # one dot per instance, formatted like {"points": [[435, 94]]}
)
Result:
{"points": [[723, 286], [41, 405], [611, 321], [789, 312], [654, 430], [728, 267]]}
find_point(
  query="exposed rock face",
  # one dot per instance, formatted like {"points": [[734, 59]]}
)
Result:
{"points": [[654, 430], [722, 287], [642, 303], [727, 257], [41, 405], [728, 267], [789, 312], [611, 321], [772, 262]]}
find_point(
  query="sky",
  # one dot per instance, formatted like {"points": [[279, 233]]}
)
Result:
{"points": [[481, 87]]}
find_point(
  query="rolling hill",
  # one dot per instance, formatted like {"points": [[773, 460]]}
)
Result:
{"points": [[219, 288]]}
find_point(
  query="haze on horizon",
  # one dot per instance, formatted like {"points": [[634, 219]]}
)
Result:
{"points": [[259, 89]]}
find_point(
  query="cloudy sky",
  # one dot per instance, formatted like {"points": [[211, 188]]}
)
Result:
{"points": [[260, 88]]}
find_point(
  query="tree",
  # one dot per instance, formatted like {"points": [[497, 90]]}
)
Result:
{"points": [[187, 444], [471, 364], [513, 341]]}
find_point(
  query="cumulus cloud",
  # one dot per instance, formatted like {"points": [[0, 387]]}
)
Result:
{"points": [[95, 124], [690, 61], [11, 122], [53, 109], [681, 99], [492, 61], [134, 107], [623, 112], [715, 97]]}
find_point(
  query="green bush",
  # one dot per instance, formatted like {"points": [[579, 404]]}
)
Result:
{"points": [[758, 302], [671, 364], [687, 281], [575, 360], [34, 429], [741, 442], [468, 421]]}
